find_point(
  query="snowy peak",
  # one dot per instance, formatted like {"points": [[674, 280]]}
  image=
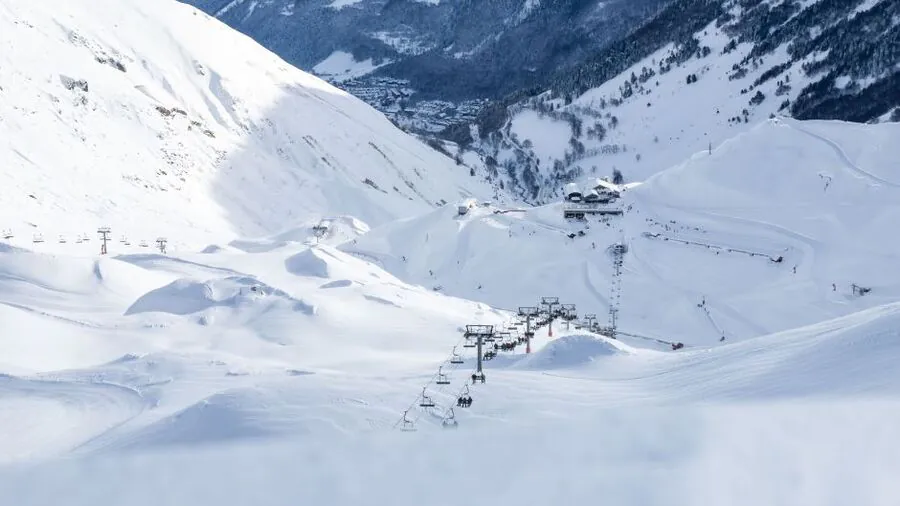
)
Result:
{"points": [[147, 117]]}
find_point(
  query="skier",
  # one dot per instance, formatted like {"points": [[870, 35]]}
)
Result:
{"points": [[833, 287], [795, 269]]}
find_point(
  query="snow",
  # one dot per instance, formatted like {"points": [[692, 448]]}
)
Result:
{"points": [[340, 4], [341, 66], [549, 138], [268, 355], [665, 120], [818, 194], [185, 121]]}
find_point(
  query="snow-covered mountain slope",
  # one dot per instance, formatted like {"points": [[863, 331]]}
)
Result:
{"points": [[214, 387], [821, 196], [143, 350], [153, 117], [278, 368], [698, 74]]}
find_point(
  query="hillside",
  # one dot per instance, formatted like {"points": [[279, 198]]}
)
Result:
{"points": [[153, 118], [212, 378], [702, 239], [697, 74], [429, 64], [307, 338]]}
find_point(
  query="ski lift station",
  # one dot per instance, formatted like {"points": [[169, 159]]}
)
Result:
{"points": [[466, 205], [594, 199]]}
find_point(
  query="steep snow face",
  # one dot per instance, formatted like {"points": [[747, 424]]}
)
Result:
{"points": [[770, 231], [154, 117]]}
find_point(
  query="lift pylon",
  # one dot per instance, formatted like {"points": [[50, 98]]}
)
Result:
{"points": [[528, 312]]}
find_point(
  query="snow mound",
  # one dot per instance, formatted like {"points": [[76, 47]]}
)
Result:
{"points": [[309, 262], [188, 296], [51, 277], [221, 417], [218, 248], [570, 351]]}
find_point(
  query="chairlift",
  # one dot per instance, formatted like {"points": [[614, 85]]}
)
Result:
{"points": [[85, 238], [456, 358], [407, 425], [37, 238], [427, 402], [449, 421], [464, 400], [62, 239], [442, 378], [468, 343], [144, 244]]}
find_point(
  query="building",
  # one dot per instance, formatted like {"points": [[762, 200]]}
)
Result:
{"points": [[466, 205], [572, 192]]}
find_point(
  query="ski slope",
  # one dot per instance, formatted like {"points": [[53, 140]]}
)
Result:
{"points": [[820, 195], [288, 393], [269, 355], [152, 118], [278, 368]]}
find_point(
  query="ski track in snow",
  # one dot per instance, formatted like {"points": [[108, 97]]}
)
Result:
{"points": [[846, 159]]}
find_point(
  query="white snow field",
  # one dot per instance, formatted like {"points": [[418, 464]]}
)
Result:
{"points": [[262, 361]]}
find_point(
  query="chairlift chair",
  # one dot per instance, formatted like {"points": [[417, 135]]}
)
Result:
{"points": [[407, 425], [442, 378], [468, 343], [427, 402], [449, 421], [62, 239], [456, 358]]}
